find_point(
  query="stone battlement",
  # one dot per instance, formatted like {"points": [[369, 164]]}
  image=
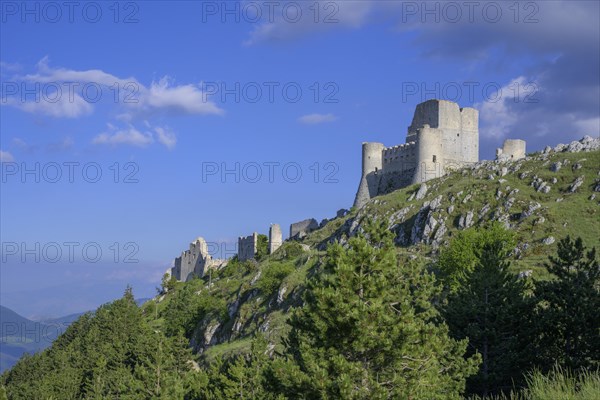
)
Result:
{"points": [[441, 137]]}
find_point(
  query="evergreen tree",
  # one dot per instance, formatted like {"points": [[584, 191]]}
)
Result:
{"points": [[491, 310], [461, 257], [569, 326], [368, 330], [243, 377]]}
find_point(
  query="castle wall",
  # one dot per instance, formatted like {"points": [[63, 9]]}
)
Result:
{"points": [[442, 136], [400, 158], [512, 149], [247, 247], [371, 157], [430, 155], [192, 261], [275, 238], [303, 227]]}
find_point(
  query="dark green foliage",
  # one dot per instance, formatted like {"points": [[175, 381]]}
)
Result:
{"points": [[241, 377], [569, 323], [190, 304], [272, 276], [168, 283], [237, 268], [368, 330], [288, 251], [462, 255], [110, 354], [262, 247], [490, 309]]}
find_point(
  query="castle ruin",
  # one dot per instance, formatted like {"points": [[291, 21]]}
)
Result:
{"points": [[300, 229], [441, 137], [247, 247], [275, 238], [512, 150], [194, 262]]}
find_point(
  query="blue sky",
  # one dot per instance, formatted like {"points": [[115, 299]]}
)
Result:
{"points": [[164, 93]]}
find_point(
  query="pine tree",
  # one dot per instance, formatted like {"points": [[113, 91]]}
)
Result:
{"points": [[461, 257], [3, 393], [568, 310], [491, 310], [368, 330]]}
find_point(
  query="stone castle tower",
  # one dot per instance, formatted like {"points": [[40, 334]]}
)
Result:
{"points": [[194, 262], [441, 137]]}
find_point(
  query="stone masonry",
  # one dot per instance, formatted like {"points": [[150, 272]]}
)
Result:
{"points": [[194, 262], [441, 137], [300, 229], [275, 238], [247, 247]]}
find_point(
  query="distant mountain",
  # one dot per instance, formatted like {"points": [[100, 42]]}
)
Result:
{"points": [[19, 335]]}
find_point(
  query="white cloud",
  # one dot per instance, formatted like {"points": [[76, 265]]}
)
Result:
{"points": [[63, 107], [324, 16], [134, 98], [499, 118], [165, 137], [128, 136], [590, 126], [184, 99], [313, 119], [5, 156], [132, 136]]}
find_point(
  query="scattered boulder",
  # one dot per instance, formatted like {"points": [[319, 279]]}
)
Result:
{"points": [[435, 203], [421, 192], [555, 167], [576, 184], [548, 241], [530, 210], [398, 216], [281, 294], [439, 235], [465, 221]]}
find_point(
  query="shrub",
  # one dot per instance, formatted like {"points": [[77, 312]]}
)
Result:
{"points": [[272, 276]]}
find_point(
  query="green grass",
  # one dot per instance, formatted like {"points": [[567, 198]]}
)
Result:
{"points": [[557, 385]]}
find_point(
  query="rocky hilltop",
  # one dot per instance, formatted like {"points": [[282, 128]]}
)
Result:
{"points": [[542, 198]]}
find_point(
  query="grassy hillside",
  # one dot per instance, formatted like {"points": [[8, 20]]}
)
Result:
{"points": [[124, 350], [256, 296]]}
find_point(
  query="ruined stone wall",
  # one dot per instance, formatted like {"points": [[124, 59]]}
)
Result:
{"points": [[300, 229], [192, 261], [247, 247], [275, 238], [512, 149]]}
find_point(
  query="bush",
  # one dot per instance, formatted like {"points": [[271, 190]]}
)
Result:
{"points": [[289, 251], [272, 276], [262, 247]]}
